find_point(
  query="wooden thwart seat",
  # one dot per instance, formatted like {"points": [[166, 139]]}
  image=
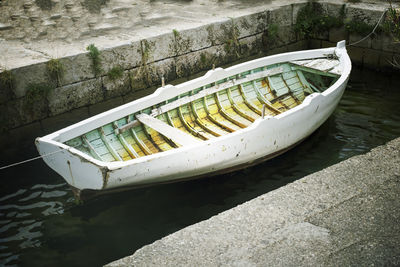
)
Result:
{"points": [[168, 131]]}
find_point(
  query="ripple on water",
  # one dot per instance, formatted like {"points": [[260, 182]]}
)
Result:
{"points": [[22, 214]]}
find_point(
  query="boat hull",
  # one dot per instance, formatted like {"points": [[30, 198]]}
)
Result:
{"points": [[265, 138]]}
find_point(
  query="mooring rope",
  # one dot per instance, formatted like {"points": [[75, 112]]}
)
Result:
{"points": [[373, 31], [31, 159]]}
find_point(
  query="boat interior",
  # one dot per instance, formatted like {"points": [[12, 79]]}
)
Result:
{"points": [[213, 110]]}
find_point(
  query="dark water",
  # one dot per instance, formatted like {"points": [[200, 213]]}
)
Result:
{"points": [[40, 225]]}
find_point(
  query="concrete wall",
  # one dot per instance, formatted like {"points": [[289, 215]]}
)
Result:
{"points": [[174, 55]]}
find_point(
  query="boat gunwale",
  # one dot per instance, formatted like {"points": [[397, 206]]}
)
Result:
{"points": [[209, 77]]}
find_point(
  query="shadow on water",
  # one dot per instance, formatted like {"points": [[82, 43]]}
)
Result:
{"points": [[41, 225]]}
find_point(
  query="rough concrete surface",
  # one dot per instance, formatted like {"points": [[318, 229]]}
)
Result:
{"points": [[345, 215]]}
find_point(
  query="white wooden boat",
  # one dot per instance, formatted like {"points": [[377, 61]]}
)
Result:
{"points": [[226, 120]]}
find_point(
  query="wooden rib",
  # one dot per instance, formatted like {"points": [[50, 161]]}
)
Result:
{"points": [[226, 114], [138, 141], [237, 108], [200, 122], [188, 126], [91, 148], [109, 146], [128, 147], [148, 135], [306, 83], [290, 91], [263, 99], [272, 90], [169, 119], [303, 82], [214, 120], [247, 101]]}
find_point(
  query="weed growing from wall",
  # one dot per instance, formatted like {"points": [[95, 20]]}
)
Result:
{"points": [[312, 21], [36, 93], [6, 81], [56, 70], [142, 77], [358, 26], [203, 58], [94, 55], [115, 73], [232, 43], [180, 45], [391, 25]]}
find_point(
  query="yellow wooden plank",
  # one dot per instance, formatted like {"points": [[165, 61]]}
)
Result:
{"points": [[215, 120], [189, 127], [225, 114], [238, 109]]}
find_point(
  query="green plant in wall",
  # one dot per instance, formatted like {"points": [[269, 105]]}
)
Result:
{"points": [[6, 81], [232, 44], [115, 73], [203, 58], [142, 77], [392, 23], [312, 20], [56, 70], [176, 33], [36, 93], [181, 44], [94, 55], [358, 26], [391, 26], [270, 36]]}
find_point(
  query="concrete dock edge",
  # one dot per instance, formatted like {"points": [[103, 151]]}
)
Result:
{"points": [[346, 214]]}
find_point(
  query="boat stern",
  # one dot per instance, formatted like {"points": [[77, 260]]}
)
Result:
{"points": [[79, 171]]}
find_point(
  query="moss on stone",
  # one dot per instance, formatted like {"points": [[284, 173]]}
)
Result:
{"points": [[231, 44], [203, 58], [115, 73], [180, 45], [6, 80], [359, 27], [36, 93], [312, 20]]}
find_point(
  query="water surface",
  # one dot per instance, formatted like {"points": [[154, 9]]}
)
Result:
{"points": [[40, 225]]}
